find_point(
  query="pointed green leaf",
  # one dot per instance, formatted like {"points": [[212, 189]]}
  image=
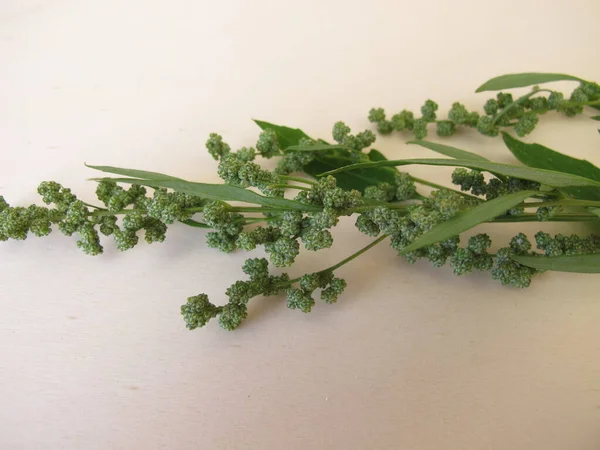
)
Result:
{"points": [[540, 157], [195, 224], [468, 219], [289, 137], [547, 177], [452, 152], [133, 173], [595, 117], [376, 155], [223, 192], [314, 148], [517, 80], [588, 263], [595, 211], [358, 180], [286, 136]]}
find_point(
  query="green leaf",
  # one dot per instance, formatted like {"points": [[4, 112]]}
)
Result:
{"points": [[376, 155], [286, 136], [195, 224], [350, 180], [314, 148], [133, 173], [588, 263], [517, 80], [595, 117], [547, 177], [468, 219], [223, 192], [595, 211], [540, 157], [452, 152], [290, 137]]}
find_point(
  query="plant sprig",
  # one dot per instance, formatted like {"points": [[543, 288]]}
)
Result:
{"points": [[317, 182]]}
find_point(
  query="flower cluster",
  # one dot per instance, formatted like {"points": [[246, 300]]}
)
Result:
{"points": [[473, 181], [502, 111], [302, 297], [72, 216], [199, 310], [567, 245]]}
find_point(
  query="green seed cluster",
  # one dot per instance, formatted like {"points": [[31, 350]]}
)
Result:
{"points": [[302, 297], [238, 172], [72, 216], [473, 181], [501, 112], [567, 245], [199, 310], [403, 188]]}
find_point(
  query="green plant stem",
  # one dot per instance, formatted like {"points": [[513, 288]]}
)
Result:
{"points": [[439, 186], [289, 186], [297, 179], [346, 260], [557, 218], [89, 205], [562, 203]]}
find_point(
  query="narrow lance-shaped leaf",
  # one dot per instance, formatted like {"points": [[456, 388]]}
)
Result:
{"points": [[517, 80], [223, 192], [540, 157], [133, 173], [447, 150], [466, 220], [588, 263], [546, 177], [195, 224], [595, 211], [595, 117]]}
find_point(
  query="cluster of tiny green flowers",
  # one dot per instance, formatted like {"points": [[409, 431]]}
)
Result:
{"points": [[404, 225], [17, 222], [199, 310], [285, 231], [227, 225], [238, 169], [472, 257], [402, 188], [237, 172], [72, 216], [473, 181], [302, 297], [567, 245], [148, 214], [499, 112], [357, 143], [508, 271], [295, 161]]}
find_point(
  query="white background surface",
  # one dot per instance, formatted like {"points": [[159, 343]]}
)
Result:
{"points": [[93, 352]]}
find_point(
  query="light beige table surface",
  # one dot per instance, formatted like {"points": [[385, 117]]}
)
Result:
{"points": [[93, 352]]}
